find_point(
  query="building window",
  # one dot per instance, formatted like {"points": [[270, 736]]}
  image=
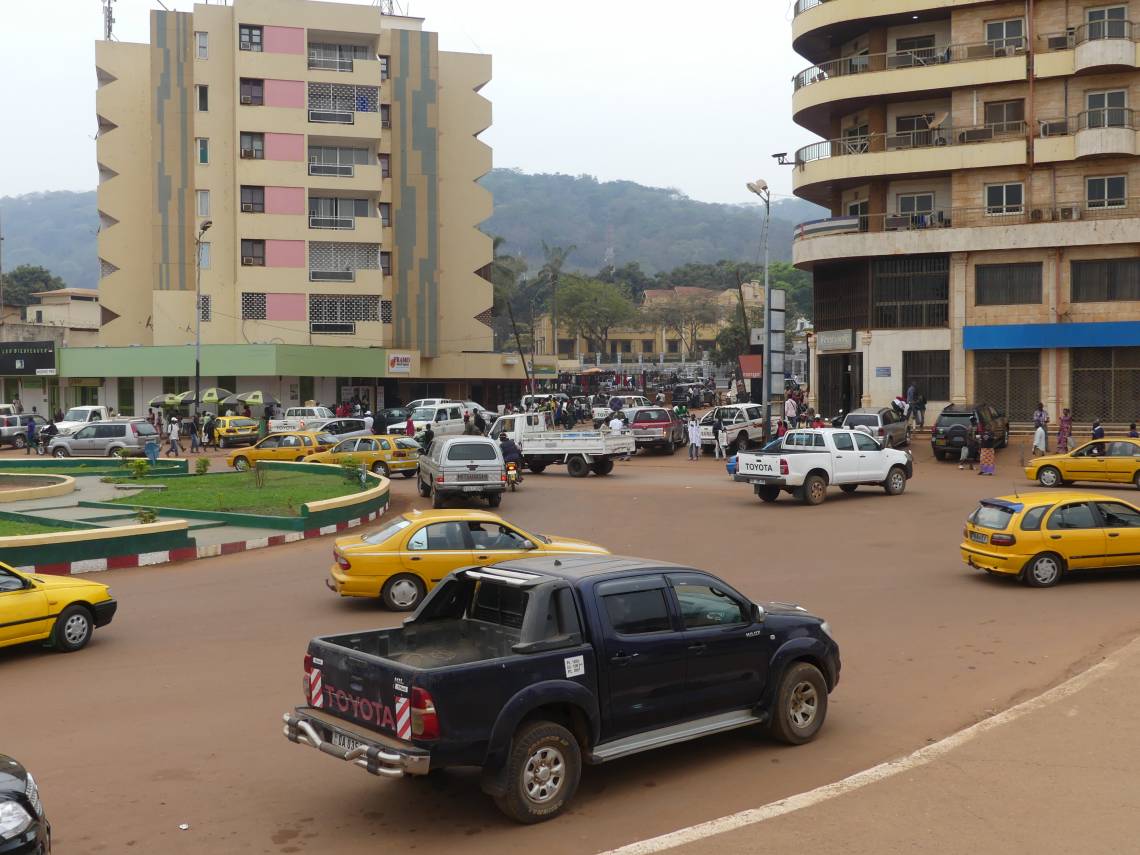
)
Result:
{"points": [[1007, 284], [915, 204], [205, 313], [252, 200], [841, 294], [1009, 380], [344, 98], [626, 347], [249, 38], [910, 292], [1105, 281], [385, 166], [306, 384], [1107, 109], [175, 385], [202, 45], [252, 307], [331, 155], [204, 255], [126, 396], [252, 91], [384, 61], [1109, 191], [1006, 116], [929, 371], [386, 263], [1004, 199], [253, 253], [252, 146], [673, 346], [1105, 383], [334, 308], [385, 116], [202, 98], [1005, 36], [1108, 23], [203, 199], [913, 130], [203, 150], [386, 214], [385, 311], [917, 47], [227, 383], [647, 345]]}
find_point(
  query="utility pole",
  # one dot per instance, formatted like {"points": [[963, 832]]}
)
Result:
{"points": [[3, 328], [202, 229], [760, 188]]}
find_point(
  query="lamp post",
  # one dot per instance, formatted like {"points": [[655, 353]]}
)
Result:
{"points": [[202, 229], [760, 188]]}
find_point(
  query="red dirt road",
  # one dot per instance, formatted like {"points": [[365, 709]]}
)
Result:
{"points": [[173, 714]]}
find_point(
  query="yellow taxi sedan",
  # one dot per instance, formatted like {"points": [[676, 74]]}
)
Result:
{"points": [[235, 430], [405, 559], [1113, 460], [61, 610], [382, 454], [292, 445], [1040, 537]]}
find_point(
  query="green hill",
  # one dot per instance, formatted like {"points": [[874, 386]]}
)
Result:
{"points": [[53, 230]]}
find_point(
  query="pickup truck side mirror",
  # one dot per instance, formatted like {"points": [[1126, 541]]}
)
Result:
{"points": [[757, 613]]}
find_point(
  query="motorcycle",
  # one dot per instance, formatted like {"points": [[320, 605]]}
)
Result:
{"points": [[513, 477]]}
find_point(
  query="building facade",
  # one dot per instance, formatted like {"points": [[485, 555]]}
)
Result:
{"points": [[980, 165], [334, 152]]}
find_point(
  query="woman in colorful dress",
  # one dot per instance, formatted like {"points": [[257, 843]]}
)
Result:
{"points": [[987, 455], [1064, 432]]}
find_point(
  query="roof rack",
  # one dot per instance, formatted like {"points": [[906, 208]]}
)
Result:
{"points": [[515, 578]]}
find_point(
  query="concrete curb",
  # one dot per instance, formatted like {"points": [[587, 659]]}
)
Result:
{"points": [[189, 553]]}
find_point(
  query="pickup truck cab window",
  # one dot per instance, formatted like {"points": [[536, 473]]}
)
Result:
{"points": [[843, 442], [753, 413], [865, 443], [638, 612], [705, 605]]}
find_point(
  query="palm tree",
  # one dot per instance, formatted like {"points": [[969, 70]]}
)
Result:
{"points": [[549, 274]]}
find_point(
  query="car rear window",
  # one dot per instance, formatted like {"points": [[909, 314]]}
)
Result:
{"points": [[995, 517], [867, 420], [387, 532], [244, 423], [471, 451], [144, 428], [652, 416], [947, 419]]}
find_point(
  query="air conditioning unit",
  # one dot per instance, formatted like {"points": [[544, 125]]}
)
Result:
{"points": [[1054, 128], [243, 46], [247, 261], [1070, 212], [247, 99], [247, 207], [1037, 215], [247, 153]]}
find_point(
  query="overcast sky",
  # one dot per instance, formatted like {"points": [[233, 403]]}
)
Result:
{"points": [[692, 95]]}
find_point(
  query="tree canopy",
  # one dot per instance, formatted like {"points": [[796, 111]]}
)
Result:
{"points": [[25, 280], [590, 308]]}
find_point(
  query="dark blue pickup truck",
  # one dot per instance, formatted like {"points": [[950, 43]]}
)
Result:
{"points": [[530, 668]]}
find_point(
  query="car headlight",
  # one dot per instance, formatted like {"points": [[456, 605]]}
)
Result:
{"points": [[826, 627], [14, 819]]}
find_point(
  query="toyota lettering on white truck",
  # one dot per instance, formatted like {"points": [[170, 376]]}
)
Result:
{"points": [[809, 461]]}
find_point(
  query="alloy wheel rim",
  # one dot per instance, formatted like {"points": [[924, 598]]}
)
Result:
{"points": [[1045, 570], [404, 592], [75, 630], [544, 774], [803, 704], [896, 481], [816, 490], [1048, 477]]}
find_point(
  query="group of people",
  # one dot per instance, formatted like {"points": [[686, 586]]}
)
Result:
{"points": [[1064, 430]]}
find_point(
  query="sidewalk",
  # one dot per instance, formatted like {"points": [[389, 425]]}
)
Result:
{"points": [[1055, 774]]}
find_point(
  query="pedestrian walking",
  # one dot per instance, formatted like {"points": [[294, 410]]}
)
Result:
{"points": [[18, 405], [479, 422], [791, 411], [150, 448], [31, 441], [1041, 419], [196, 434], [368, 422], [1039, 441], [719, 437], [970, 446], [173, 434], [428, 438], [694, 439], [988, 457], [1064, 431], [920, 411], [410, 427], [1097, 430], [912, 401]]}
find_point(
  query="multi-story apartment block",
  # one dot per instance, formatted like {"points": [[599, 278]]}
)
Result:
{"points": [[334, 152], [980, 165]]}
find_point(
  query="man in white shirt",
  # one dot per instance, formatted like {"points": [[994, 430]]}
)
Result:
{"points": [[694, 439], [173, 431], [791, 411], [368, 422]]}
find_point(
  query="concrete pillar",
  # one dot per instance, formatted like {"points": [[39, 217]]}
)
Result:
{"points": [[958, 362]]}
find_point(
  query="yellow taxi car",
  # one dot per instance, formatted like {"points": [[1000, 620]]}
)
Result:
{"points": [[62, 610], [382, 454], [235, 430], [1113, 460], [403, 560], [1039, 537], [293, 445]]}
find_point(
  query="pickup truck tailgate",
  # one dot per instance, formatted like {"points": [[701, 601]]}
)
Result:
{"points": [[762, 465], [369, 691]]}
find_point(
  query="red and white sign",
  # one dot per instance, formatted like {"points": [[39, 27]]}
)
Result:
{"points": [[316, 696], [399, 363], [403, 718]]}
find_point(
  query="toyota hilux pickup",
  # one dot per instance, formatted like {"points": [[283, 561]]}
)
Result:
{"points": [[807, 462], [528, 669]]}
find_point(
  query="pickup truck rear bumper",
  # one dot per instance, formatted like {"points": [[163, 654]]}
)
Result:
{"points": [[371, 751], [764, 481]]}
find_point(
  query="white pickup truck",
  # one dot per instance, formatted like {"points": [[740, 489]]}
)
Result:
{"points": [[581, 450], [809, 461], [300, 418], [77, 417]]}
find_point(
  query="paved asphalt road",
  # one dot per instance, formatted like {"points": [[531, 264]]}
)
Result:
{"points": [[172, 715]]}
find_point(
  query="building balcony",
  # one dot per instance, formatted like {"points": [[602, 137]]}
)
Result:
{"points": [[1099, 46], [844, 85], [834, 164], [967, 230], [1106, 132], [347, 228]]}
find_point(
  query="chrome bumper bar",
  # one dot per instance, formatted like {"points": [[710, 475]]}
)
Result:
{"points": [[379, 760]]}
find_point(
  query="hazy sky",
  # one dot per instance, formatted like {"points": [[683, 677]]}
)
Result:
{"points": [[692, 95]]}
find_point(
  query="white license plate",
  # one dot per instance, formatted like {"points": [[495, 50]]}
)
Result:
{"points": [[346, 742], [472, 489], [979, 538]]}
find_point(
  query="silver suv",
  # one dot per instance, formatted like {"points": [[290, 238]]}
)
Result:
{"points": [[14, 429], [462, 466], [108, 438], [883, 423]]}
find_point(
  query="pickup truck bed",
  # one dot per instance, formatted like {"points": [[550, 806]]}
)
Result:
{"points": [[434, 645]]}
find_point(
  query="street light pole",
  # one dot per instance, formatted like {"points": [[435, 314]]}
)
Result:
{"points": [[760, 188], [202, 229]]}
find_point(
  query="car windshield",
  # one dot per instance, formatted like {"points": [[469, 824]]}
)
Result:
{"points": [[855, 420], [76, 416], [423, 414], [992, 516], [387, 532]]}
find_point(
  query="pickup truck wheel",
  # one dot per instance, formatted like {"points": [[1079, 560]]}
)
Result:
{"points": [[537, 468], [425, 489], [768, 493], [848, 488], [543, 770], [604, 467], [801, 705], [577, 467], [402, 593], [896, 481], [494, 499], [814, 490], [72, 629]]}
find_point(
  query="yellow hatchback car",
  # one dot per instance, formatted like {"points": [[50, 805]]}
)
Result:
{"points": [[235, 430], [293, 445], [1039, 537], [1114, 460], [61, 610], [382, 454], [405, 559]]}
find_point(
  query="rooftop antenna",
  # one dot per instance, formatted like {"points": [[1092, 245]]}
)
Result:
{"points": [[108, 19]]}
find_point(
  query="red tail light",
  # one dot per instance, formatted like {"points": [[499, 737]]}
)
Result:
{"points": [[503, 477], [425, 723], [341, 560], [882, 432], [439, 479], [783, 466], [1003, 539]]}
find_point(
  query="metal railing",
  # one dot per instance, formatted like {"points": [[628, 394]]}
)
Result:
{"points": [[344, 170], [318, 222], [917, 58], [332, 275], [803, 5], [1101, 117], [329, 63], [899, 141], [1093, 31], [339, 117]]}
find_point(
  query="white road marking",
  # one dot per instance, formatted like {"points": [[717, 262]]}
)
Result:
{"points": [[875, 774]]}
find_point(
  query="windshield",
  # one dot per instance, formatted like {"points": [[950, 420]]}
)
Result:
{"points": [[76, 415], [387, 532], [992, 516], [854, 420], [423, 414]]}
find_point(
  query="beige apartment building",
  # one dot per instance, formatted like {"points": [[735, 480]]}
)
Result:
{"points": [[334, 151], [980, 166]]}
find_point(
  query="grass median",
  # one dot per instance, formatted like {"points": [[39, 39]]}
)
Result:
{"points": [[14, 528], [281, 494]]}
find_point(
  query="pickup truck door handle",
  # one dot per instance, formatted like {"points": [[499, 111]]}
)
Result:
{"points": [[699, 647], [623, 659]]}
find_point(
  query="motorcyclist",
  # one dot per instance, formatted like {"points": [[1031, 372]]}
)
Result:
{"points": [[511, 453]]}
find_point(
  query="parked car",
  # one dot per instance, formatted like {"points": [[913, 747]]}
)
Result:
{"points": [[1110, 461], [14, 429], [808, 461], [300, 418], [384, 455], [530, 668], [409, 556], [1040, 537], [343, 428], [62, 611], [381, 419], [109, 438], [582, 451], [430, 402], [656, 428], [462, 466], [236, 430], [744, 424], [881, 422], [24, 829], [294, 446], [446, 418], [952, 428]]}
